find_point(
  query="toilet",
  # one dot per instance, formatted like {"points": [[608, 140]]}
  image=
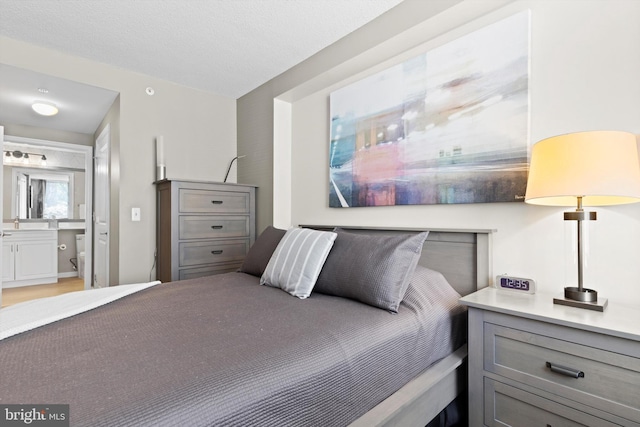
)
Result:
{"points": [[80, 254]]}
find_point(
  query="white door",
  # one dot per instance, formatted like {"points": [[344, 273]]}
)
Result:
{"points": [[23, 193], [101, 211], [1, 204]]}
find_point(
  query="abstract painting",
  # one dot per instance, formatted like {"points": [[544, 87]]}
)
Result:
{"points": [[448, 126]]}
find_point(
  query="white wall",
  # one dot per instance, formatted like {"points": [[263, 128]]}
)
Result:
{"points": [[282, 144], [585, 67], [199, 130]]}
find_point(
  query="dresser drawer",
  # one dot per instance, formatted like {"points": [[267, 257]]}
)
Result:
{"points": [[210, 201], [510, 406], [211, 252], [212, 227], [193, 273], [603, 379]]}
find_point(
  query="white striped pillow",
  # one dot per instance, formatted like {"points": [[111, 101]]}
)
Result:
{"points": [[297, 261]]}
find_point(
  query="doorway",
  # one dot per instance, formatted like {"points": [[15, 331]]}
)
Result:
{"points": [[85, 109], [64, 161]]}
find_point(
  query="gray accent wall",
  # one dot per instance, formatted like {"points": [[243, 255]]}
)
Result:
{"points": [[256, 109]]}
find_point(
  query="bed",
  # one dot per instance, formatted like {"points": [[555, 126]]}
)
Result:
{"points": [[223, 350]]}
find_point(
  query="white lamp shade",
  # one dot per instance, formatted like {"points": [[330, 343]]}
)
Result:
{"points": [[601, 166]]}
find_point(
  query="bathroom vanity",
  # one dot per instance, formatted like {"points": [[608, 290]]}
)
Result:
{"points": [[29, 257]]}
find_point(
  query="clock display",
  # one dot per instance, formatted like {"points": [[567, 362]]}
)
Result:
{"points": [[507, 282], [516, 284]]}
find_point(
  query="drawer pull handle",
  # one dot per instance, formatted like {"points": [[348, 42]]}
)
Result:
{"points": [[216, 227], [218, 252], [216, 202], [563, 370]]}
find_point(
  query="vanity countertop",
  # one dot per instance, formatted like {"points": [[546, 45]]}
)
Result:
{"points": [[71, 225], [39, 226], [26, 226]]}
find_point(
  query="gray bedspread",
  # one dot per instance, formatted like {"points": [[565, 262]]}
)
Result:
{"points": [[223, 350]]}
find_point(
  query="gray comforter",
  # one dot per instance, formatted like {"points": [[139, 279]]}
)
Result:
{"points": [[223, 350]]}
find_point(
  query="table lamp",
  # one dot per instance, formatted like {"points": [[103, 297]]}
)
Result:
{"points": [[596, 168]]}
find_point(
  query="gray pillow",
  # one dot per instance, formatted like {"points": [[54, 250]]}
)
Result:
{"points": [[260, 252], [296, 263], [371, 268]]}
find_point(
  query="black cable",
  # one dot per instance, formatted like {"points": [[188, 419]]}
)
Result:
{"points": [[229, 168], [155, 259]]}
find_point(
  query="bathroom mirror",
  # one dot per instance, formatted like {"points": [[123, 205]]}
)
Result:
{"points": [[46, 194]]}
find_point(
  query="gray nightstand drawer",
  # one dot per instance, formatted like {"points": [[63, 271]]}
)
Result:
{"points": [[210, 201], [605, 380], [199, 253], [510, 406], [213, 227]]}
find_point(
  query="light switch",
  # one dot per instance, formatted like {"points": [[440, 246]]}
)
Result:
{"points": [[135, 214]]}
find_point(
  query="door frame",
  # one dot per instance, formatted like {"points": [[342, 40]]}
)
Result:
{"points": [[88, 182], [105, 133], [1, 208]]}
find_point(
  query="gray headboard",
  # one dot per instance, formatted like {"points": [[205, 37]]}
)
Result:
{"points": [[462, 256]]}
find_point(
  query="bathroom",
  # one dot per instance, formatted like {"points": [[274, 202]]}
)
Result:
{"points": [[44, 213]]}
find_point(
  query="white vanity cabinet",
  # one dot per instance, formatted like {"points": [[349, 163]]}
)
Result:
{"points": [[7, 261], [29, 257]]}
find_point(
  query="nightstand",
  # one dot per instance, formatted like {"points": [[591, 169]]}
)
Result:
{"points": [[534, 363]]}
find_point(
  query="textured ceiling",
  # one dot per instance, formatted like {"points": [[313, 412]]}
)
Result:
{"points": [[228, 47]]}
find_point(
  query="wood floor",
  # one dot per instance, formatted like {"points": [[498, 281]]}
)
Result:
{"points": [[12, 296]]}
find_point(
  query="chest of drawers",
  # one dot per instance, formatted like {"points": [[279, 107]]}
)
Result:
{"points": [[203, 228], [533, 363]]}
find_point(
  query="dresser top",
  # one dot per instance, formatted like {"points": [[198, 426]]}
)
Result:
{"points": [[616, 320], [193, 181]]}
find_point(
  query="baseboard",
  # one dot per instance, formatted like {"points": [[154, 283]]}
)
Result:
{"points": [[67, 274], [30, 282]]}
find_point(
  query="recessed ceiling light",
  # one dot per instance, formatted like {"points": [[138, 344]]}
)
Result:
{"points": [[43, 90], [45, 109]]}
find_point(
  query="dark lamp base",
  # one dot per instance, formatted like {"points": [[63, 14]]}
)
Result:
{"points": [[582, 298], [577, 294]]}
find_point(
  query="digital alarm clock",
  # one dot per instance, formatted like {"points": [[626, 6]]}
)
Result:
{"points": [[517, 284]]}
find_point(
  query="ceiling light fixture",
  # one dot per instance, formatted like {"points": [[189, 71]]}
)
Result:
{"points": [[44, 108]]}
